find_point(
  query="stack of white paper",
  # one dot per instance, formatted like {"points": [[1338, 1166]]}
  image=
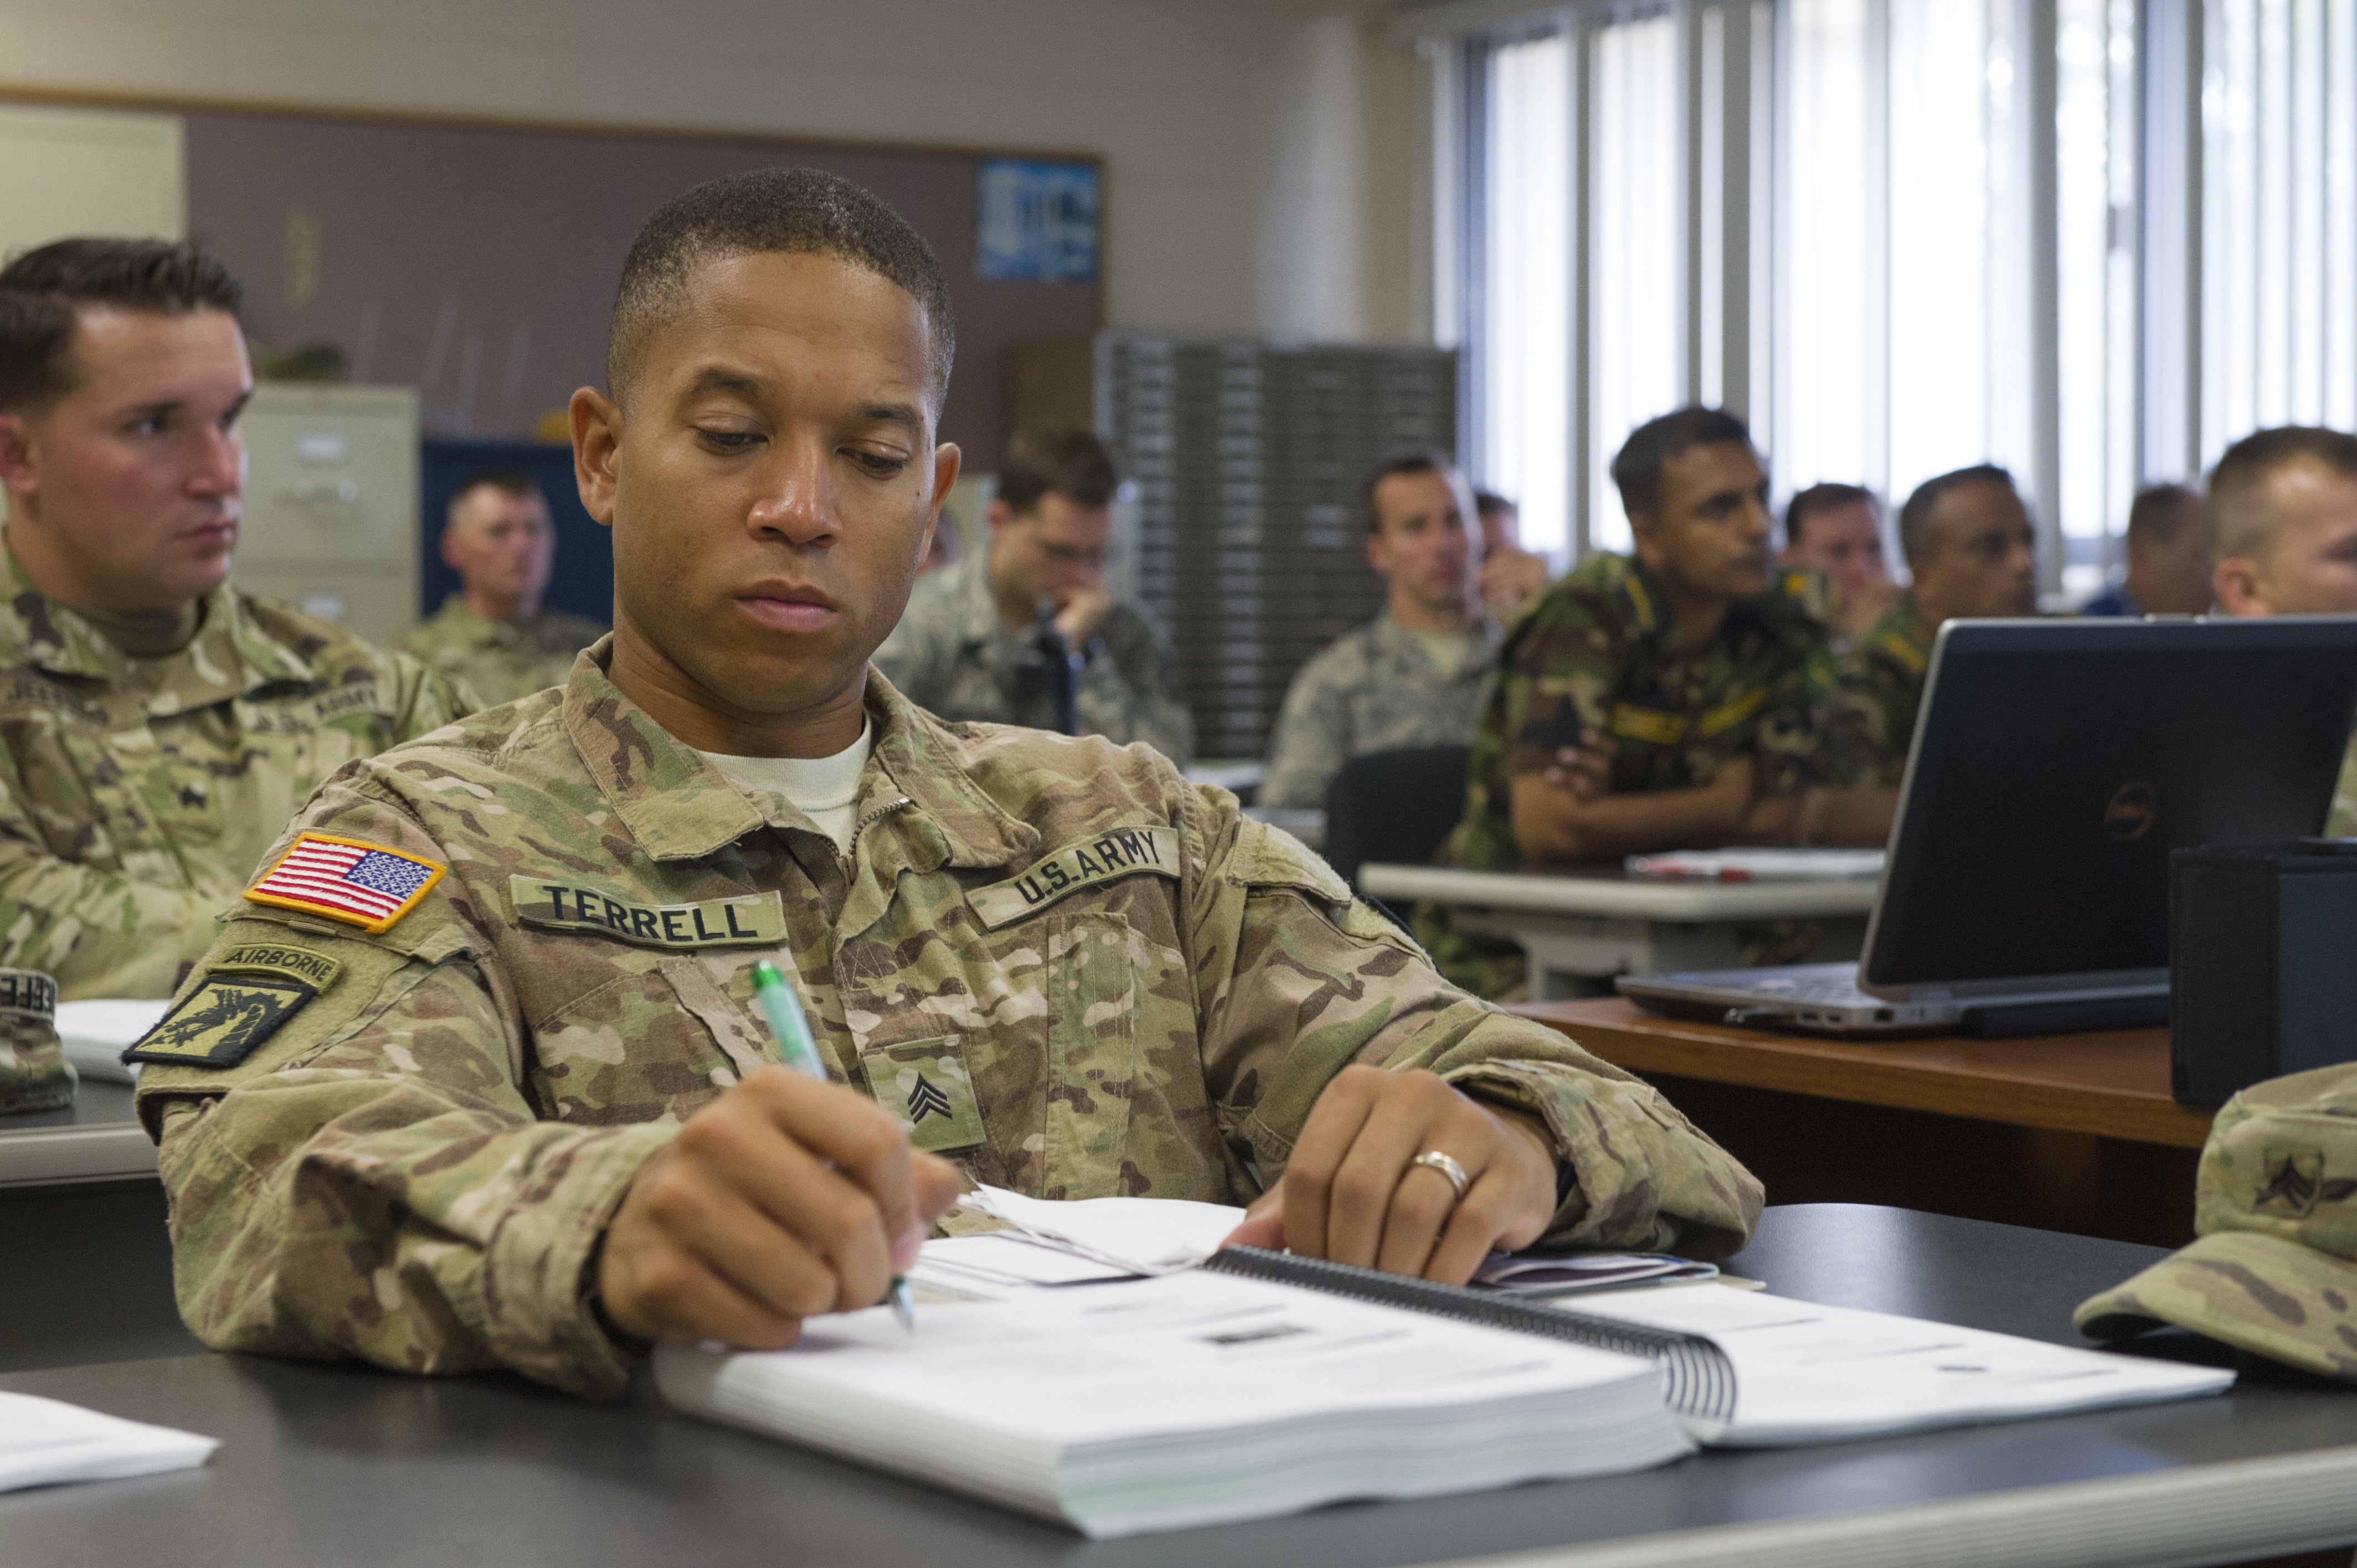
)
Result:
{"points": [[43, 1442], [1188, 1399]]}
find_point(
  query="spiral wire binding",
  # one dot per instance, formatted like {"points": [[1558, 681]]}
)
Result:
{"points": [[1698, 1379]]}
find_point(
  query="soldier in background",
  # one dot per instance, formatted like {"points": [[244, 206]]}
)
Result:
{"points": [[1415, 675], [2283, 519], [158, 725], [1970, 552], [2168, 557], [492, 634], [1026, 631], [1512, 577], [1669, 699], [1837, 530], [514, 1105]]}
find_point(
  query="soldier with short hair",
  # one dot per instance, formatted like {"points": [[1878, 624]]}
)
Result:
{"points": [[492, 634], [2283, 519], [476, 1079], [1971, 551], [1416, 674], [1673, 699], [1026, 630], [157, 726]]}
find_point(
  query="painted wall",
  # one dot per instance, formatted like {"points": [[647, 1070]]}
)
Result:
{"points": [[1259, 153]]}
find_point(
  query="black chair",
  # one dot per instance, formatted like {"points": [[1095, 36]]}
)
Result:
{"points": [[1395, 805]]}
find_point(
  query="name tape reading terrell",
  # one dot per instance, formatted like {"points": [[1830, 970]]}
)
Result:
{"points": [[750, 920]]}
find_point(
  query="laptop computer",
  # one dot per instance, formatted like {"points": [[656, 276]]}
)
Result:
{"points": [[2056, 765]]}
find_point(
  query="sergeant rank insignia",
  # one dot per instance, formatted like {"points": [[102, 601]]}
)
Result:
{"points": [[351, 880], [223, 1021]]}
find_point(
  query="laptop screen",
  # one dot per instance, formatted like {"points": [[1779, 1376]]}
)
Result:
{"points": [[2056, 765]]}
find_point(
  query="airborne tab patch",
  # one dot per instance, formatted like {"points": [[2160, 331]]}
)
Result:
{"points": [[351, 880], [223, 1021], [1113, 854]]}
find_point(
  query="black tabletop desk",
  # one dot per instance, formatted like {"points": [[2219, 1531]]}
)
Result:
{"points": [[335, 1464]]}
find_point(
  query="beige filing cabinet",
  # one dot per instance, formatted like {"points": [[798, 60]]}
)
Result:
{"points": [[331, 503]]}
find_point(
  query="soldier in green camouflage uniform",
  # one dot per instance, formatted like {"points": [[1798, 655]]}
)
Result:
{"points": [[500, 660], [1878, 682], [1120, 984], [2273, 1268], [1594, 655], [137, 793], [495, 1093]]}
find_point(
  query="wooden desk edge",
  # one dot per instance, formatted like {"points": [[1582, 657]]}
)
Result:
{"points": [[1645, 1043]]}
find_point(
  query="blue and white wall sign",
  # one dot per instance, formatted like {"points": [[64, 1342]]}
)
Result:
{"points": [[1039, 220]]}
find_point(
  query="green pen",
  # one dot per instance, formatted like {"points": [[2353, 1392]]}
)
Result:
{"points": [[782, 1006]]}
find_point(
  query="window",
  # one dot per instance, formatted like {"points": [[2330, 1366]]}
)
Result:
{"points": [[1634, 315], [2095, 240], [1524, 355]]}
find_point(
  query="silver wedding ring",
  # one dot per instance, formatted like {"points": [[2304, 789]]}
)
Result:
{"points": [[1433, 1160]]}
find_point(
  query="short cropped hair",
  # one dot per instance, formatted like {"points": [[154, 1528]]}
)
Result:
{"points": [[2239, 521], [797, 212], [1915, 517], [1062, 459], [1824, 498], [2161, 513], [1423, 460], [40, 291], [1637, 468], [508, 481], [1489, 503]]}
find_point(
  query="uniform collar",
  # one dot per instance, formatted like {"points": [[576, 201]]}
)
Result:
{"points": [[1396, 641], [230, 656], [1789, 592], [677, 806], [456, 616], [968, 587], [1904, 636]]}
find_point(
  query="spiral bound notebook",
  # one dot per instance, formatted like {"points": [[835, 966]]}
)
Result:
{"points": [[1190, 1398]]}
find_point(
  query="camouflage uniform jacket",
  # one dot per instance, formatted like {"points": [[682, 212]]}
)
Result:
{"points": [[1878, 685], [500, 661], [1593, 653], [1374, 688], [137, 794], [1060, 964], [951, 653]]}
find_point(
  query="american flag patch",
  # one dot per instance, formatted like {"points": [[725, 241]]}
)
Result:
{"points": [[364, 884]]}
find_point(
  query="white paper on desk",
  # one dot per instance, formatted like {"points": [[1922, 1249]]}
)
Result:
{"points": [[1760, 864], [96, 1034], [988, 1266], [45, 1441], [1805, 1373], [1142, 1235]]}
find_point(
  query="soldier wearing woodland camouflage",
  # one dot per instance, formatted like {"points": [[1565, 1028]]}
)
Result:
{"points": [[1416, 675], [1675, 699], [492, 634], [2283, 526], [1970, 552], [2273, 1266], [157, 727], [475, 1078]]}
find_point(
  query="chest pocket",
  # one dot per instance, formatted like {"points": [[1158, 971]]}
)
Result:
{"points": [[660, 1037]]}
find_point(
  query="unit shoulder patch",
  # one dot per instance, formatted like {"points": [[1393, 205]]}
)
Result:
{"points": [[1087, 863], [351, 880], [223, 1021]]}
